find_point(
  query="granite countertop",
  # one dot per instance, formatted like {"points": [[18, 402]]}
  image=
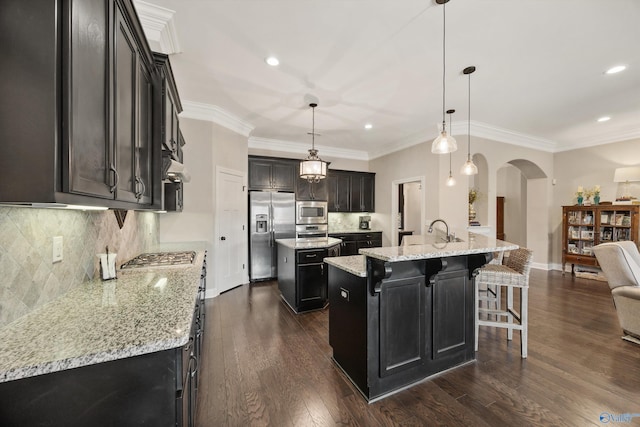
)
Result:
{"points": [[354, 264], [317, 244], [435, 247], [142, 311], [354, 230]]}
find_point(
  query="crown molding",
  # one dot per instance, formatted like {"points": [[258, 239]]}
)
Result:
{"points": [[483, 130], [609, 138], [215, 114], [158, 26], [302, 148]]}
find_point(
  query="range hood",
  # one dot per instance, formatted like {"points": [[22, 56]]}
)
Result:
{"points": [[174, 171]]}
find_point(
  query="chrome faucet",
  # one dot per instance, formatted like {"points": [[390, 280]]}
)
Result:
{"points": [[430, 230]]}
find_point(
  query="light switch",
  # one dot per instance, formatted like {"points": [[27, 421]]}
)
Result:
{"points": [[57, 249]]}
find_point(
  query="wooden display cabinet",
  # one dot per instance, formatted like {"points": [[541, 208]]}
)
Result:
{"points": [[584, 227]]}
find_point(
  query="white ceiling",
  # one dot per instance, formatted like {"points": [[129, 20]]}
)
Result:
{"points": [[539, 82]]}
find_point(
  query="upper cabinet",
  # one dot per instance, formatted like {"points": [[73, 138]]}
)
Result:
{"points": [[351, 191], [306, 190], [77, 112], [272, 174]]}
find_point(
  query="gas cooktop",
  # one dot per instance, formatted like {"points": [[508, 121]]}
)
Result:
{"points": [[158, 259]]}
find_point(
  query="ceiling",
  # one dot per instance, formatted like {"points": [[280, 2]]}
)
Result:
{"points": [[540, 78]]}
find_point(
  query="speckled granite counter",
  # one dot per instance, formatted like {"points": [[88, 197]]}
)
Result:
{"points": [[142, 311], [472, 244], [354, 264], [318, 244]]}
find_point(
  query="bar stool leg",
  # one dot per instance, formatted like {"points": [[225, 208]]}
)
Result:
{"points": [[509, 311], [476, 310], [524, 320]]}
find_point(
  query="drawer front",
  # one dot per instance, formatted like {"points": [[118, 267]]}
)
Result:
{"points": [[311, 256]]}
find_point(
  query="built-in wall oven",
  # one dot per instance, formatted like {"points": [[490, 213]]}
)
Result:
{"points": [[311, 212], [310, 233]]}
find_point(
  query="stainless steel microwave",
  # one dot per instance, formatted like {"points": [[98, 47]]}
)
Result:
{"points": [[311, 212]]}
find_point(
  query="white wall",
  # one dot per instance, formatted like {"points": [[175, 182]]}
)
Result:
{"points": [[207, 145], [408, 163]]}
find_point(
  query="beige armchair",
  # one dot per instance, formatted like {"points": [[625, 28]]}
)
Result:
{"points": [[620, 263]]}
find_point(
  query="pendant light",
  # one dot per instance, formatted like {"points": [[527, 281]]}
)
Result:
{"points": [[444, 143], [469, 168], [313, 168], [451, 181]]}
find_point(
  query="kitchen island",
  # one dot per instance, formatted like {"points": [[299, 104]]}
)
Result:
{"points": [[302, 278], [119, 352], [402, 314]]}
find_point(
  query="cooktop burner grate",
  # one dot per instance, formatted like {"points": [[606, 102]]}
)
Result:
{"points": [[157, 259]]}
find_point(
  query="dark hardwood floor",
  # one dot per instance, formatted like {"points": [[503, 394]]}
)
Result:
{"points": [[265, 366]]}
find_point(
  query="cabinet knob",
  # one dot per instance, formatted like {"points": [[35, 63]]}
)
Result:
{"points": [[223, 238]]}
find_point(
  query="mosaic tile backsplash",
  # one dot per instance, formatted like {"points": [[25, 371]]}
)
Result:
{"points": [[29, 279]]}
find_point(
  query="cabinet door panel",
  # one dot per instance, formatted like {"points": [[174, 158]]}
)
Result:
{"points": [[452, 313], [144, 150], [355, 196], [368, 193], [338, 191], [402, 325], [87, 132], [284, 175], [125, 72], [311, 283], [259, 175]]}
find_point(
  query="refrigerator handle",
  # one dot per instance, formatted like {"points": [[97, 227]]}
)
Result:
{"points": [[271, 230]]}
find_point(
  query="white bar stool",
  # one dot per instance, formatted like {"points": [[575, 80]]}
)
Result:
{"points": [[514, 274]]}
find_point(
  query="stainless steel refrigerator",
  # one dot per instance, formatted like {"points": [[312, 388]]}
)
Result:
{"points": [[271, 217]]}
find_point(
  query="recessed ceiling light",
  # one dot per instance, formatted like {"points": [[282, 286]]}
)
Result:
{"points": [[616, 69], [604, 119], [368, 126], [272, 60]]}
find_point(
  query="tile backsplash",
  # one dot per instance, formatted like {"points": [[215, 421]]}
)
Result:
{"points": [[29, 279], [347, 221]]}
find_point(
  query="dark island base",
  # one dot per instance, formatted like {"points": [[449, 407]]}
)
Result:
{"points": [[403, 323]]}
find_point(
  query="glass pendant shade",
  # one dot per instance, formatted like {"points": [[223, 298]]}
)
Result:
{"points": [[451, 181], [313, 168], [469, 168], [444, 143]]}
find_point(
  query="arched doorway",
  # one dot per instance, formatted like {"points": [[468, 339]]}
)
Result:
{"points": [[523, 186]]}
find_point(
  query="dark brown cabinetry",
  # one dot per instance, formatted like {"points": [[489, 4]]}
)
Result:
{"points": [[351, 242], [306, 190], [86, 82], [302, 276], [338, 186], [272, 174], [383, 349], [351, 191]]}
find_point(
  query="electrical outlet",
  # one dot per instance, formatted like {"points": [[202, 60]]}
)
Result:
{"points": [[57, 249]]}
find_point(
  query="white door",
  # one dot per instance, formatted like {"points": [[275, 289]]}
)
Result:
{"points": [[231, 233]]}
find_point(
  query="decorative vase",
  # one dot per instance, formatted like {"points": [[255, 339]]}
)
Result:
{"points": [[472, 212], [580, 200], [587, 201], [596, 199]]}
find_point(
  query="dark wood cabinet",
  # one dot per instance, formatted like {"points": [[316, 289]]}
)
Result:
{"points": [[302, 277], [584, 227], [306, 190], [173, 200], [351, 242], [88, 86], [383, 348], [272, 174], [168, 106], [500, 218], [338, 187], [351, 191]]}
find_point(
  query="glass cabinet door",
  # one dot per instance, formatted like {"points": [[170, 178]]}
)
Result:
{"points": [[615, 225], [581, 232]]}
